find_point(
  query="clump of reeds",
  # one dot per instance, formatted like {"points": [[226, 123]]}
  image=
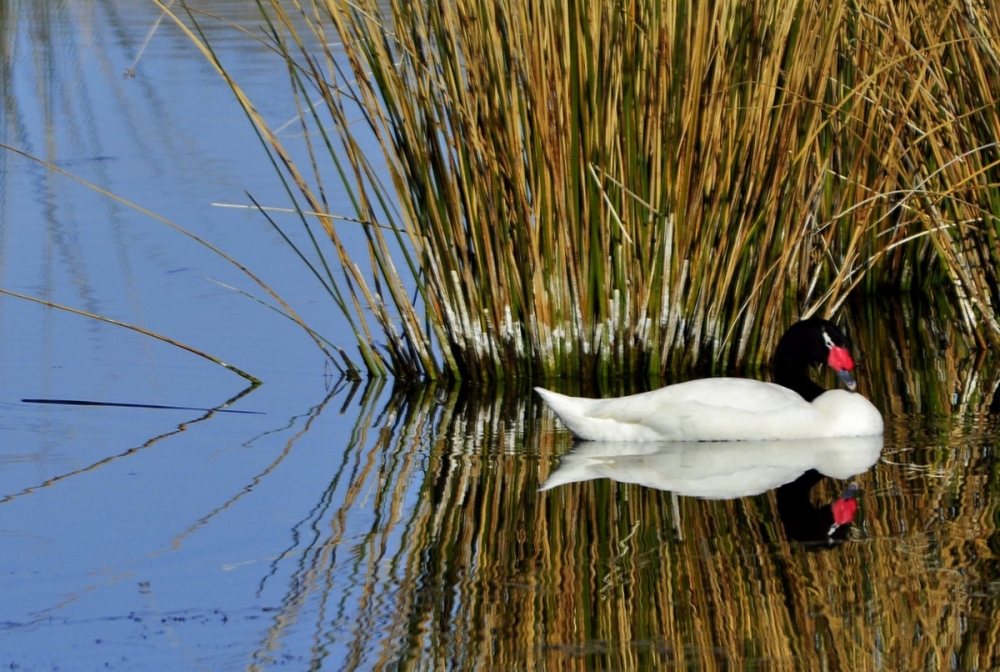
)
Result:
{"points": [[625, 188]]}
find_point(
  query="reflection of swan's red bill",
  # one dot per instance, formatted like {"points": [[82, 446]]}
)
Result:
{"points": [[845, 507]]}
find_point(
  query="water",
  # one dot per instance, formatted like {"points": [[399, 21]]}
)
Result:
{"points": [[358, 527]]}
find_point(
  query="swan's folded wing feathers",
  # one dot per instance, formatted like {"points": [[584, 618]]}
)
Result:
{"points": [[716, 409], [722, 409], [698, 397]]}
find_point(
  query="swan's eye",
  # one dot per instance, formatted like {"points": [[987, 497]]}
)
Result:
{"points": [[827, 340]]}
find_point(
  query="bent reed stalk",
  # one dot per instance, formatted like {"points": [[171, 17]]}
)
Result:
{"points": [[614, 189]]}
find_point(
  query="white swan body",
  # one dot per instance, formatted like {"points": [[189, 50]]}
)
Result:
{"points": [[737, 409], [717, 409], [720, 470]]}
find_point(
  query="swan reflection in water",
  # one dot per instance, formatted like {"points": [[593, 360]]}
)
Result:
{"points": [[734, 469]]}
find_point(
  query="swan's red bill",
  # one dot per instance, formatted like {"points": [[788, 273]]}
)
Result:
{"points": [[840, 361]]}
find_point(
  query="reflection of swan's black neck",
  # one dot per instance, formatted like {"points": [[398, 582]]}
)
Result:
{"points": [[802, 520]]}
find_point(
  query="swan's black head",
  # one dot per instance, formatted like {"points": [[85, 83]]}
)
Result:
{"points": [[809, 342]]}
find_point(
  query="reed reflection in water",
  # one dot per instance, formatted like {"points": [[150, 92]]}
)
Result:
{"points": [[462, 562]]}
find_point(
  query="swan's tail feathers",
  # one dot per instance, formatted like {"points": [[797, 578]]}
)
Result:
{"points": [[551, 398], [567, 408]]}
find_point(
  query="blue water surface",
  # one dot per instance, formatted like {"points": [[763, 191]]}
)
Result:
{"points": [[137, 537]]}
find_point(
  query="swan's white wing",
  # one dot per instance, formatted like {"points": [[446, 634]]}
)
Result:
{"points": [[715, 409], [700, 396]]}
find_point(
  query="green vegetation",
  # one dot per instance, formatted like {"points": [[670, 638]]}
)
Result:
{"points": [[624, 189]]}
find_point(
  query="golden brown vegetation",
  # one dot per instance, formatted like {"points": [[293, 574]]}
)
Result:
{"points": [[629, 188]]}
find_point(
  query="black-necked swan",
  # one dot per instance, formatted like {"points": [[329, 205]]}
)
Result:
{"points": [[737, 409]]}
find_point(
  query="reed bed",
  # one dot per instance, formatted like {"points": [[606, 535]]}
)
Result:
{"points": [[629, 189], [465, 565]]}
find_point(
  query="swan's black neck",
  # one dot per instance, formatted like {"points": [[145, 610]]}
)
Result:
{"points": [[797, 378], [804, 344]]}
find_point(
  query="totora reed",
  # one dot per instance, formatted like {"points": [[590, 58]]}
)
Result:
{"points": [[615, 189]]}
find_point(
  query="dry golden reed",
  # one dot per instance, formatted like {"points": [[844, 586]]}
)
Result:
{"points": [[626, 189]]}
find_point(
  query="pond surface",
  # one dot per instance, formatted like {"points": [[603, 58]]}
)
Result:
{"points": [[333, 526]]}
